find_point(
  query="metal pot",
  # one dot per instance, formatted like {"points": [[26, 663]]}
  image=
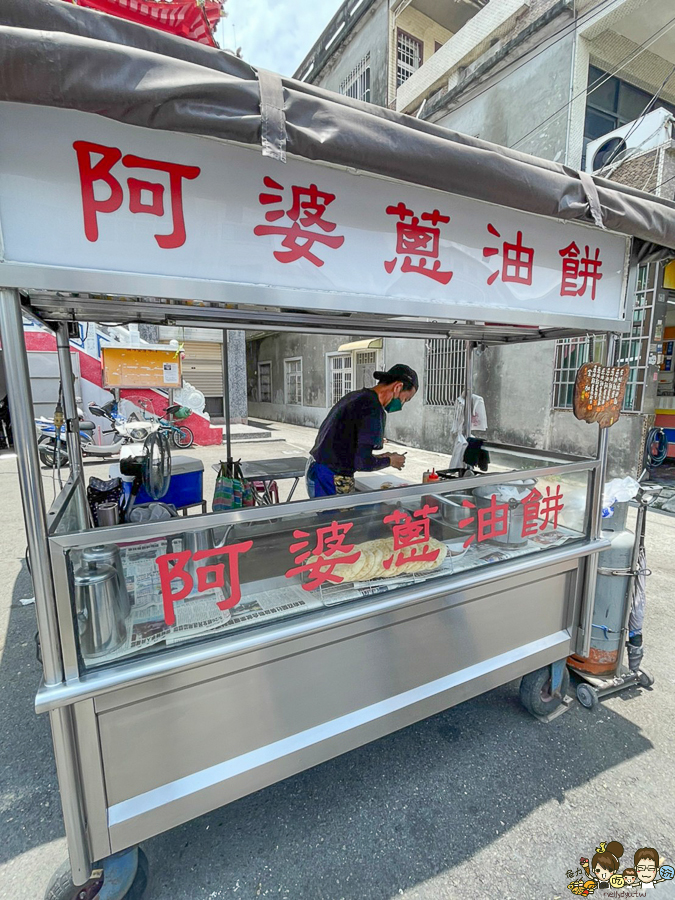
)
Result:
{"points": [[452, 511], [513, 537]]}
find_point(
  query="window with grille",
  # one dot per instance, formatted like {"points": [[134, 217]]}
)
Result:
{"points": [[357, 83], [365, 363], [444, 371], [408, 56], [265, 382], [571, 353], [293, 370], [341, 376]]}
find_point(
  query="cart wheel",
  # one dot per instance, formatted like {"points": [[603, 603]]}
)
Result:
{"points": [[587, 696], [182, 437], [645, 679], [535, 691], [61, 886]]}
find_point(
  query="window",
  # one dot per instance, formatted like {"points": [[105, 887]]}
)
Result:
{"points": [[437, 46], [408, 56], [571, 353], [293, 370], [265, 382], [444, 371], [340, 376], [357, 83], [614, 103], [365, 363]]}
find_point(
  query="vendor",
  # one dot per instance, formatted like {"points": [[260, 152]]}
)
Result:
{"points": [[354, 428]]}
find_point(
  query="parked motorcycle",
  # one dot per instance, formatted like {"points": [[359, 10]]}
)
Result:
{"points": [[125, 431]]}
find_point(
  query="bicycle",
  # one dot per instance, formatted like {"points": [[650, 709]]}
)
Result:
{"points": [[180, 435]]}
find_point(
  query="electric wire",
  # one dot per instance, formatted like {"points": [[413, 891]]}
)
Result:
{"points": [[636, 124], [590, 89], [558, 35]]}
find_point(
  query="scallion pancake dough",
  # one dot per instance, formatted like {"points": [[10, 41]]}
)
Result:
{"points": [[370, 564]]}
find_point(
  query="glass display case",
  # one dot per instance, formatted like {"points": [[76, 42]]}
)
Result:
{"points": [[215, 575]]}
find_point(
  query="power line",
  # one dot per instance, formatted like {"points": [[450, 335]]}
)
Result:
{"points": [[636, 124], [559, 36], [600, 81]]}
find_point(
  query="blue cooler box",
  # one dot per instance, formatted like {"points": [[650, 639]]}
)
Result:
{"points": [[186, 487]]}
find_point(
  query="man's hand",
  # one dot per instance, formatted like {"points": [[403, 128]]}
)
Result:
{"points": [[397, 460]]}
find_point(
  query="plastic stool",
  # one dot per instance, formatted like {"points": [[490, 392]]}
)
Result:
{"points": [[273, 490]]}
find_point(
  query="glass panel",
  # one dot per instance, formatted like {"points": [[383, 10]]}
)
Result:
{"points": [[632, 102], [602, 90], [68, 513], [144, 596], [597, 124]]}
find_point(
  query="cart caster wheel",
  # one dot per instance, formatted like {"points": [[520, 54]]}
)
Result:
{"points": [[61, 886], [535, 691], [645, 679], [587, 696]]}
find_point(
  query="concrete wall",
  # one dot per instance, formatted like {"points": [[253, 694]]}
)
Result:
{"points": [[370, 36], [529, 95], [275, 349]]}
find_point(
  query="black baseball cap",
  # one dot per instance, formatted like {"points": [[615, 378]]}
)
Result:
{"points": [[399, 372]]}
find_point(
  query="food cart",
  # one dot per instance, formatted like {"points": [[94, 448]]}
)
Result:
{"points": [[240, 647]]}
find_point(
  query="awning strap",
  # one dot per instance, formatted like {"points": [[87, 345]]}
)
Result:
{"points": [[273, 131], [593, 198]]}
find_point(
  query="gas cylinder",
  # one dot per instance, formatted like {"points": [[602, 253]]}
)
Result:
{"points": [[610, 606]]}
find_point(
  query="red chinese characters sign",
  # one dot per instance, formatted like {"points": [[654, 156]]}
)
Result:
{"points": [[308, 223], [210, 574], [539, 511], [419, 240], [329, 551], [96, 163], [102, 198], [411, 537]]}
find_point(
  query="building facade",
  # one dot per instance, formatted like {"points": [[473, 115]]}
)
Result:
{"points": [[585, 83]]}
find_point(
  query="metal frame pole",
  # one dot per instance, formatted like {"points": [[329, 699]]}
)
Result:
{"points": [[468, 386], [30, 480], [583, 643], [226, 395], [69, 399]]}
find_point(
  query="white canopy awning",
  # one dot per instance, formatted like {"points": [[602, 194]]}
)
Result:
{"points": [[368, 344]]}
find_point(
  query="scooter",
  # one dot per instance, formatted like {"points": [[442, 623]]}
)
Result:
{"points": [[124, 431]]}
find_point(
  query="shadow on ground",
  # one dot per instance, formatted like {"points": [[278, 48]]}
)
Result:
{"points": [[395, 813], [29, 799]]}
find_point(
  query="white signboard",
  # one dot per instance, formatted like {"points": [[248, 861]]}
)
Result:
{"points": [[93, 202]]}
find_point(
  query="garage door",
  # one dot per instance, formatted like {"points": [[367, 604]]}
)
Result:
{"points": [[203, 366]]}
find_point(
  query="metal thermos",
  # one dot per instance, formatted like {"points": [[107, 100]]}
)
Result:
{"points": [[107, 514], [109, 555], [195, 541], [101, 618]]}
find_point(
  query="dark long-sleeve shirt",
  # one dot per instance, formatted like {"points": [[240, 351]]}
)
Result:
{"points": [[350, 432]]}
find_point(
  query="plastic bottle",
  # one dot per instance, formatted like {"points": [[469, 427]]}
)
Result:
{"points": [[433, 476], [425, 477]]}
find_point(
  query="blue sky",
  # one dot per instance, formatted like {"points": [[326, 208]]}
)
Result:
{"points": [[275, 34]]}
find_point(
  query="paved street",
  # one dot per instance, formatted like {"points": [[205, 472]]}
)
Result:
{"points": [[481, 801]]}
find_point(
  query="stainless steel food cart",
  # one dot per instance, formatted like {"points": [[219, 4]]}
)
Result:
{"points": [[235, 674]]}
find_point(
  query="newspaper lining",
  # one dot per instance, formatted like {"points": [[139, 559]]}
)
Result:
{"points": [[199, 614]]}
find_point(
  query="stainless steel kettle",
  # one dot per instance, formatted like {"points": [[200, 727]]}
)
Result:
{"points": [[109, 555], [101, 617]]}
